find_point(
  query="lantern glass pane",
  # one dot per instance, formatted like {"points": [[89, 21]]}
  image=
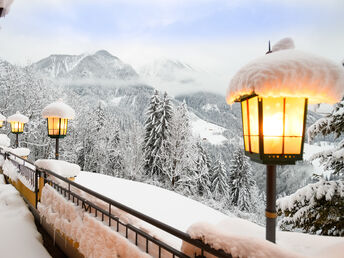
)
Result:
{"points": [[294, 119], [294, 114], [244, 124], [63, 127], [1, 123], [253, 124], [292, 145], [273, 125]]}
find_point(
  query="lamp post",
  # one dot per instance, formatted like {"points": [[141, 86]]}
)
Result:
{"points": [[273, 130], [274, 91], [57, 115], [17, 122], [2, 120]]}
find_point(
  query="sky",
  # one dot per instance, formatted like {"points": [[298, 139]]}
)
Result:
{"points": [[218, 36]]}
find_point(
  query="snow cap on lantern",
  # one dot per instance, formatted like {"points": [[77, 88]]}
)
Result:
{"points": [[286, 72], [57, 114], [58, 109], [17, 122]]}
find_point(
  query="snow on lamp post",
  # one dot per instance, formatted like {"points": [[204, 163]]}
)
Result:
{"points": [[274, 91], [57, 115], [2, 120], [17, 122]]}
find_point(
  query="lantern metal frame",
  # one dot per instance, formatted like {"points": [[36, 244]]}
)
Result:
{"points": [[271, 159], [59, 136]]}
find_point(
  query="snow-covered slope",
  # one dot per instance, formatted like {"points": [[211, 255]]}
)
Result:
{"points": [[101, 65], [206, 131]]}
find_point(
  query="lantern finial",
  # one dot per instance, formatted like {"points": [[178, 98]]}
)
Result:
{"points": [[269, 51]]}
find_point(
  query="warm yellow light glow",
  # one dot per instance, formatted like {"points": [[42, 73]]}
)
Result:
{"points": [[251, 124], [282, 123], [17, 127], [1, 123], [57, 126]]}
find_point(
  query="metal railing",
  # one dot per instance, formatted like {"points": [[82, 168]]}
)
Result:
{"points": [[103, 208]]}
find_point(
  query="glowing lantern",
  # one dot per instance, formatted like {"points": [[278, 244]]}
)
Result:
{"points": [[274, 128], [274, 91], [17, 122], [2, 120], [57, 115]]}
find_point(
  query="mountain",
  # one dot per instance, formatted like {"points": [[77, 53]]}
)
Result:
{"points": [[177, 77], [99, 66], [168, 70]]}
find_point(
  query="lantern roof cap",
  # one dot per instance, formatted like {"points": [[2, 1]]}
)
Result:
{"points": [[2, 118], [289, 73], [58, 109], [17, 117]]}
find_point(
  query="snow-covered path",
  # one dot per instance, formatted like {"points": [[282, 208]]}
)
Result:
{"points": [[18, 233]]}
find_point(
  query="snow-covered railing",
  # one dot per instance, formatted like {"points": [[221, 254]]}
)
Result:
{"points": [[102, 207], [109, 211], [18, 168]]}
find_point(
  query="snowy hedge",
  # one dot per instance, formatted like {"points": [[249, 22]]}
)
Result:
{"points": [[316, 208]]}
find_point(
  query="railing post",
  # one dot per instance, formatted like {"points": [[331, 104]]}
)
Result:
{"points": [[36, 188]]}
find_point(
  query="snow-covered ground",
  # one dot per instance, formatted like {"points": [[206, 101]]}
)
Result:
{"points": [[206, 131], [18, 233], [182, 213]]}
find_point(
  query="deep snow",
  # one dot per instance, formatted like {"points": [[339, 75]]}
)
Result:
{"points": [[182, 213], [19, 236]]}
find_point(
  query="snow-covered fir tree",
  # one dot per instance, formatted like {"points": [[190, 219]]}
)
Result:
{"points": [[203, 171], [333, 159], [316, 208], [157, 132], [177, 153], [219, 185], [241, 183]]}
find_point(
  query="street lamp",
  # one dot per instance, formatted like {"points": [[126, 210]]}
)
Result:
{"points": [[57, 115], [274, 91], [2, 120], [17, 122]]}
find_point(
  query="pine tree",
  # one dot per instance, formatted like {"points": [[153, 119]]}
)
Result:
{"points": [[179, 156], [219, 185], [332, 159], [157, 128], [241, 183], [149, 148], [316, 208], [203, 171]]}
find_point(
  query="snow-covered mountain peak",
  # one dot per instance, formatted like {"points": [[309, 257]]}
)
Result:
{"points": [[100, 65], [105, 54]]}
